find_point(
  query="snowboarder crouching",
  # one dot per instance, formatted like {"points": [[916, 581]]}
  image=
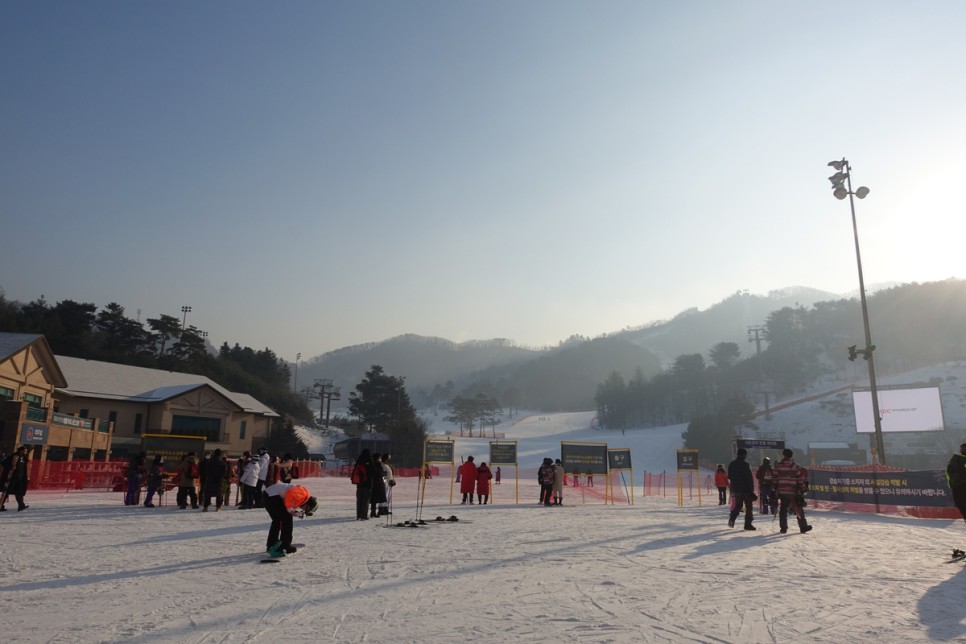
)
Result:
{"points": [[283, 502]]}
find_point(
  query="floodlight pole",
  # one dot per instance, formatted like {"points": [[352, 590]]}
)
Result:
{"points": [[869, 352]]}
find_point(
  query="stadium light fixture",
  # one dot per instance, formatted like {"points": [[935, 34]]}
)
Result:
{"points": [[842, 188]]}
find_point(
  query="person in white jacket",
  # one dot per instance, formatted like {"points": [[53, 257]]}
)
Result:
{"points": [[249, 479], [263, 460], [387, 475]]}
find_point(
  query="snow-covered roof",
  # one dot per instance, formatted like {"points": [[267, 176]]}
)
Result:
{"points": [[109, 381]]}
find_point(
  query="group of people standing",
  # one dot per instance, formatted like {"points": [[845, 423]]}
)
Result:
{"points": [[198, 482], [373, 477], [785, 484], [474, 479]]}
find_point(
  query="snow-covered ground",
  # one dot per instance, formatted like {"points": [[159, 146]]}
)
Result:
{"points": [[81, 567]]}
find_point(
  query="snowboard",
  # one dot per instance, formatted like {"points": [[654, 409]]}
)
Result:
{"points": [[958, 555], [276, 554]]}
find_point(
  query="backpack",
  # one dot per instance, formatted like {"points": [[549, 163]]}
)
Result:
{"points": [[358, 474]]}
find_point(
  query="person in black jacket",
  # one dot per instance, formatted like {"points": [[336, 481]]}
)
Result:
{"points": [[742, 489], [215, 472], [956, 477], [14, 478], [362, 474]]}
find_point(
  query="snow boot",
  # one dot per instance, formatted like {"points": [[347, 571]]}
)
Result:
{"points": [[804, 527]]}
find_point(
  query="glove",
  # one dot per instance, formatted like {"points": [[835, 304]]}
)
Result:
{"points": [[392, 483]]}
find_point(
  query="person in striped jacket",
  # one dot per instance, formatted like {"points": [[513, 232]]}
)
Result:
{"points": [[790, 484]]}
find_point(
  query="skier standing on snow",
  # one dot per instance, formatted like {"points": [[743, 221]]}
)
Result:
{"points": [[155, 480], [742, 489], [766, 486], [215, 474], [721, 482], [558, 481], [467, 480], [390, 478], [377, 497], [249, 479], [956, 477], [362, 475], [187, 477], [14, 479], [545, 479], [263, 460], [135, 470], [790, 484], [483, 476]]}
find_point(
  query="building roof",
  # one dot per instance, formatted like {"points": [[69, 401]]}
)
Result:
{"points": [[12, 343], [109, 381]]}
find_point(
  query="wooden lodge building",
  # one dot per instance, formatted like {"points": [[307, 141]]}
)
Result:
{"points": [[68, 409]]}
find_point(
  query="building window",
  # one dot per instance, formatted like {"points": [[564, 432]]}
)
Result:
{"points": [[33, 400], [83, 413], [6, 393], [138, 419], [241, 430], [208, 428]]}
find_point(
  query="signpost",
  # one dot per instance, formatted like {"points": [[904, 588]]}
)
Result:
{"points": [[687, 462], [504, 454], [618, 460], [438, 451]]}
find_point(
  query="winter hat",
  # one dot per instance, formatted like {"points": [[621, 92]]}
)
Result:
{"points": [[766, 460], [469, 458], [742, 451]]}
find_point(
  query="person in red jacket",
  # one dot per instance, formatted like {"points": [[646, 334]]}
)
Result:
{"points": [[483, 476], [468, 479], [721, 482]]}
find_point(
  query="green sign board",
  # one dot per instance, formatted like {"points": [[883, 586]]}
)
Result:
{"points": [[503, 453], [438, 452]]}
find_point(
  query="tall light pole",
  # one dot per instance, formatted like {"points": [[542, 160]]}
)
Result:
{"points": [[295, 386], [842, 188], [185, 310]]}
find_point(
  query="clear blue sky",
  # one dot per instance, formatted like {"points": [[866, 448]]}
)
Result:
{"points": [[310, 175]]}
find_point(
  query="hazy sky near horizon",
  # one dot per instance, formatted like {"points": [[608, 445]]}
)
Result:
{"points": [[311, 175]]}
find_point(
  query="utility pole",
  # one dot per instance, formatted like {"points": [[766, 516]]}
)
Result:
{"points": [[759, 332], [331, 393], [322, 384]]}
